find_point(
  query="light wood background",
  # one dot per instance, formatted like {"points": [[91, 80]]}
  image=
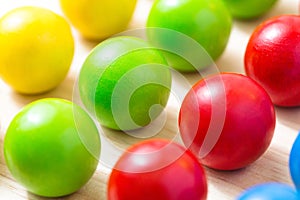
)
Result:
{"points": [[272, 166]]}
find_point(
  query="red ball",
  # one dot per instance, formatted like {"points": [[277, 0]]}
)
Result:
{"points": [[227, 120], [160, 170], [272, 58]]}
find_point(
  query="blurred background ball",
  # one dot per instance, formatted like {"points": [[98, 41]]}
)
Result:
{"points": [[249, 9], [99, 19], [269, 191], [294, 162], [208, 22]]}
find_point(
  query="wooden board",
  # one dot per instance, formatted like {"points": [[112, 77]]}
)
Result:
{"points": [[272, 166]]}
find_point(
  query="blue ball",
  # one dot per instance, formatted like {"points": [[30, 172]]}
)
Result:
{"points": [[295, 162], [269, 191]]}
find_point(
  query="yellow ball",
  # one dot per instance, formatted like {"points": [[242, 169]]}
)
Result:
{"points": [[99, 19], [37, 49]]}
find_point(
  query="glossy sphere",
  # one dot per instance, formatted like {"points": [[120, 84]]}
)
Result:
{"points": [[269, 191], [208, 22], [47, 152], [295, 162], [36, 49], [227, 120], [98, 19], [272, 59], [121, 80], [157, 169], [245, 9]]}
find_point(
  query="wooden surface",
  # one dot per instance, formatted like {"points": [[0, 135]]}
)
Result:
{"points": [[272, 166]]}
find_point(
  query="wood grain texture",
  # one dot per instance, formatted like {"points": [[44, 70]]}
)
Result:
{"points": [[272, 166]]}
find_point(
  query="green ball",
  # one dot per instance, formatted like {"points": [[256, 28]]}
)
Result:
{"points": [[52, 147], [208, 22], [125, 83], [248, 9]]}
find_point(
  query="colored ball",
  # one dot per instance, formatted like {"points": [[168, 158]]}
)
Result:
{"points": [[271, 59], [269, 191], [227, 120], [125, 83], [245, 9], [294, 162], [208, 22], [99, 19], [157, 169], [37, 49], [52, 147]]}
